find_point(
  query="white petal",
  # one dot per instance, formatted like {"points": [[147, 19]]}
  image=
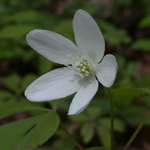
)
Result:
{"points": [[52, 46], [88, 36], [53, 85], [106, 70], [83, 96]]}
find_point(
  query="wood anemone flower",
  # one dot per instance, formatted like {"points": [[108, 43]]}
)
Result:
{"points": [[85, 64]]}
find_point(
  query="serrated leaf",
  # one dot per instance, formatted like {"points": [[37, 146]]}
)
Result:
{"points": [[12, 82], [104, 135], [87, 136], [28, 133], [17, 107], [126, 95]]}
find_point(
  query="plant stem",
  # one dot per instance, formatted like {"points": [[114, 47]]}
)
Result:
{"points": [[137, 130], [112, 119], [71, 137]]}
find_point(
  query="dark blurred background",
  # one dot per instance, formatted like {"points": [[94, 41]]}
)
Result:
{"points": [[125, 25]]}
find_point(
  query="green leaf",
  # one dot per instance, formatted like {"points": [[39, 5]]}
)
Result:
{"points": [[134, 114], [79, 118], [145, 80], [23, 16], [104, 135], [93, 112], [62, 143], [28, 79], [65, 28], [118, 124], [142, 44], [14, 107], [6, 96], [15, 31], [126, 95], [113, 34], [28, 133], [44, 65], [6, 53], [144, 22], [60, 103], [87, 136], [12, 82], [97, 148]]}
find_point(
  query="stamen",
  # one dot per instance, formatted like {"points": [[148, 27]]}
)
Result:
{"points": [[83, 65]]}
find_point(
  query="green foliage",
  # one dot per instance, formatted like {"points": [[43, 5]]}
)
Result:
{"points": [[27, 16], [114, 35], [15, 31], [97, 148], [6, 96], [44, 65], [126, 32], [60, 103], [27, 133], [142, 44], [27, 80], [144, 22], [81, 118], [93, 121], [104, 135], [104, 128], [135, 114], [16, 107], [65, 28], [122, 2], [87, 136], [118, 124], [126, 95], [12, 82]]}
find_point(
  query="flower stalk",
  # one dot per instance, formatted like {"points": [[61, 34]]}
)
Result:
{"points": [[137, 130], [71, 137]]}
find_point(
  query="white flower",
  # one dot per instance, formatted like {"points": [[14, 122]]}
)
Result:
{"points": [[81, 61]]}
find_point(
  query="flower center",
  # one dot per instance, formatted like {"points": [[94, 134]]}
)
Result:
{"points": [[83, 66]]}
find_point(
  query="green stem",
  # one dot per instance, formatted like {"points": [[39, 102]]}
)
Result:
{"points": [[71, 137], [112, 119], [137, 130]]}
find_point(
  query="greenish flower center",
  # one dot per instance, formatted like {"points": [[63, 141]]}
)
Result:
{"points": [[83, 66]]}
